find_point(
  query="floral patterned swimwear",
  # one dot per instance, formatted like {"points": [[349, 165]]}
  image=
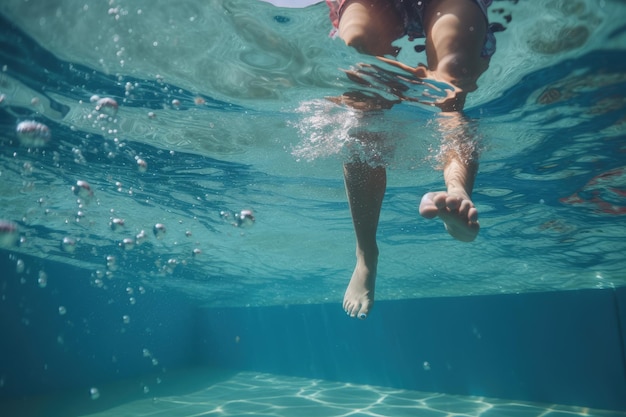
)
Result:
{"points": [[411, 13]]}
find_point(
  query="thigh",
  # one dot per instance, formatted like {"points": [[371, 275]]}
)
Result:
{"points": [[455, 35], [370, 25]]}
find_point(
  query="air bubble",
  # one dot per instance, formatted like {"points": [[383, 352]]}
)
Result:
{"points": [[159, 230], [107, 105], [245, 218], [62, 310], [128, 243], [19, 266], [32, 133], [27, 168], [126, 319], [94, 393], [82, 189], [68, 245], [142, 165], [141, 237], [111, 263], [116, 224], [42, 279]]}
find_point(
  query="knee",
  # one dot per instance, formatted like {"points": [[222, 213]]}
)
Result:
{"points": [[370, 26], [356, 37]]}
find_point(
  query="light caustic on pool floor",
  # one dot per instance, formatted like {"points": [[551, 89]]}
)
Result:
{"points": [[250, 393]]}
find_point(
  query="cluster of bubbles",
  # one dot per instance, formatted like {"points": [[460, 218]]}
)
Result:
{"points": [[243, 218], [33, 134], [326, 129]]}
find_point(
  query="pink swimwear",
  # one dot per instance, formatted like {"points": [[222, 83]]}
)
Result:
{"points": [[411, 13]]}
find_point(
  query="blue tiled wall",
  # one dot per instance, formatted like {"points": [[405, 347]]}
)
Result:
{"points": [[560, 347], [43, 350]]}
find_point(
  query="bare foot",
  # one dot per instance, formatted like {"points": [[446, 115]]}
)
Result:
{"points": [[456, 210], [359, 296]]}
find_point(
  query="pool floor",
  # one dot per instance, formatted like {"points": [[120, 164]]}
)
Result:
{"points": [[196, 392]]}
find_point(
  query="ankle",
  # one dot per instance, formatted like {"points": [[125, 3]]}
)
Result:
{"points": [[368, 258]]}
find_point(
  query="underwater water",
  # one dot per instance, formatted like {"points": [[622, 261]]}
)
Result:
{"points": [[263, 138], [189, 149]]}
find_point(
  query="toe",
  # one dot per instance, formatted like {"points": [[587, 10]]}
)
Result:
{"points": [[363, 312], [351, 308], [453, 203], [464, 208], [347, 307], [472, 215], [440, 200], [427, 207]]}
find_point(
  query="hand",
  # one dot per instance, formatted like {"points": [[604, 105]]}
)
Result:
{"points": [[455, 97]]}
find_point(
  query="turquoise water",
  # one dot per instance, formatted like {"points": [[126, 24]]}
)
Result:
{"points": [[266, 140], [221, 109]]}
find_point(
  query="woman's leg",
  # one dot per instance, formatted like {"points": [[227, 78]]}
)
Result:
{"points": [[365, 187], [456, 31], [370, 26]]}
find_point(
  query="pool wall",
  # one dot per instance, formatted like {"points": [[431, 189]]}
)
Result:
{"points": [[71, 332], [558, 347]]}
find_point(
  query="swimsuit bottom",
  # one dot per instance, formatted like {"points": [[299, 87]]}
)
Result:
{"points": [[411, 14]]}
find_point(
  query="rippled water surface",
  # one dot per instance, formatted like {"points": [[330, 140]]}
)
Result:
{"points": [[221, 110]]}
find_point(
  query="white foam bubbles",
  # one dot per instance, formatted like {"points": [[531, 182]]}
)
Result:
{"points": [[325, 129]]}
